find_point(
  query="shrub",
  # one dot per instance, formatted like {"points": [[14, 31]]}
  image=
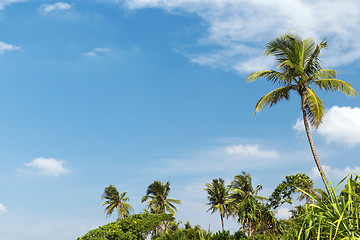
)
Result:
{"points": [[135, 227]]}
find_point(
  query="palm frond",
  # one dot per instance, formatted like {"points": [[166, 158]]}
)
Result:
{"points": [[314, 108], [313, 63], [273, 97], [336, 84], [271, 76], [322, 74]]}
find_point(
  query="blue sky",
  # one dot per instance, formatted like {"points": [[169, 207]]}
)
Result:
{"points": [[94, 93]]}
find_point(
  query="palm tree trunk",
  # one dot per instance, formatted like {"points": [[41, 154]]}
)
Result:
{"points": [[222, 221], [312, 146]]}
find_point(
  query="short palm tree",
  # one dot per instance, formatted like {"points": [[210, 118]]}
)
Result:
{"points": [[159, 202], [116, 201], [242, 187], [218, 195], [244, 202], [300, 70]]}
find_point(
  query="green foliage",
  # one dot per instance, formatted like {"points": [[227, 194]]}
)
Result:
{"points": [[285, 190], [114, 200], [187, 233], [135, 227], [218, 196], [225, 235], [244, 203], [335, 216], [159, 202]]}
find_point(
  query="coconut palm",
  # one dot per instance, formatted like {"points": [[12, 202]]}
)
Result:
{"points": [[300, 70], [218, 195], [244, 202], [242, 187], [116, 201], [159, 202]]}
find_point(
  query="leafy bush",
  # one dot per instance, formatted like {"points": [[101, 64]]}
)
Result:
{"points": [[135, 227], [225, 235]]}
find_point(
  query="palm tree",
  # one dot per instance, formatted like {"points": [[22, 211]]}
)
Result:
{"points": [[244, 202], [242, 188], [299, 70], [218, 195], [159, 202], [116, 201]]}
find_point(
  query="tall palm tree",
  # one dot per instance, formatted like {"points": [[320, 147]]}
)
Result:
{"points": [[299, 70], [159, 202], [116, 201], [218, 195]]}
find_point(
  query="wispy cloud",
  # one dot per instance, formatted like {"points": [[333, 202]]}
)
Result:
{"points": [[240, 28], [59, 6], [340, 125], [335, 174], [5, 47], [220, 159], [250, 151], [96, 52], [4, 3], [47, 167], [3, 209]]}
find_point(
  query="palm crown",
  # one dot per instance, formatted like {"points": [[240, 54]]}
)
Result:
{"points": [[159, 202], [299, 70], [114, 200]]}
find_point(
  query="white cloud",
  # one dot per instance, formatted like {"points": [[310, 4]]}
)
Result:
{"points": [[299, 125], [250, 151], [341, 125], [96, 52], [48, 166], [4, 47], [220, 159], [4, 3], [90, 54], [104, 49], [3, 209], [283, 213], [248, 24], [335, 174], [47, 8]]}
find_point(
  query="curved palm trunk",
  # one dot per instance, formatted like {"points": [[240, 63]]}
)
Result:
{"points": [[312, 146]]}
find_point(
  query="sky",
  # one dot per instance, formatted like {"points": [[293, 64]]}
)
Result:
{"points": [[126, 92]]}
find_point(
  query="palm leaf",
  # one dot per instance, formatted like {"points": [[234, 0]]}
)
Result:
{"points": [[314, 108], [270, 75], [322, 74], [336, 84], [273, 97]]}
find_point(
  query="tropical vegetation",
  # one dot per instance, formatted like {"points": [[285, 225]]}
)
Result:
{"points": [[315, 214]]}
